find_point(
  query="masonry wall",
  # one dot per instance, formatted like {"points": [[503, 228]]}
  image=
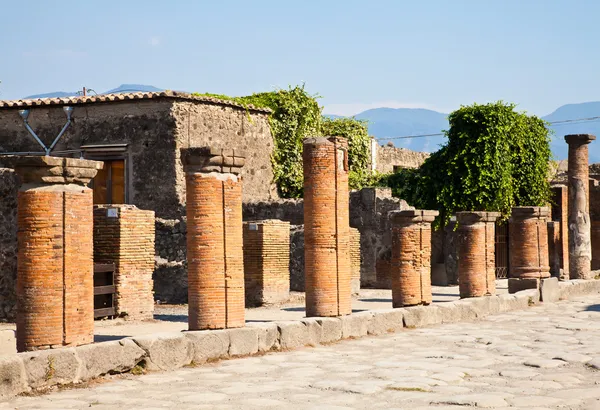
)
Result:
{"points": [[8, 244], [388, 157], [127, 241], [155, 130]]}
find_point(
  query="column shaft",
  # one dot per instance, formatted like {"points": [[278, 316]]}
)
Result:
{"points": [[411, 257], [326, 227], [214, 238]]}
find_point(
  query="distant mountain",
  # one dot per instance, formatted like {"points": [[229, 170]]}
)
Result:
{"points": [[574, 112], [132, 88], [56, 94], [387, 123], [123, 88]]}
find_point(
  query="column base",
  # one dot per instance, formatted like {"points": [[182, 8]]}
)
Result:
{"points": [[515, 284]]}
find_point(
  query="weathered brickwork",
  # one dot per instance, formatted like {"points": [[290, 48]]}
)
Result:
{"points": [[476, 253], [55, 266], [554, 248], [127, 240], [528, 247], [580, 249], [9, 187], [560, 214], [214, 238], [326, 227], [355, 259], [266, 262], [411, 257], [594, 204]]}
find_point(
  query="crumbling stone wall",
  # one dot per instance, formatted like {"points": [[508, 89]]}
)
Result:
{"points": [[8, 244], [154, 130], [297, 258], [389, 157], [369, 210]]}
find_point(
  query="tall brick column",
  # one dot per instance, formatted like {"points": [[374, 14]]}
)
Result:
{"points": [[580, 247], [326, 227], [214, 238], [528, 247], [55, 268], [411, 257], [560, 214], [476, 253]]}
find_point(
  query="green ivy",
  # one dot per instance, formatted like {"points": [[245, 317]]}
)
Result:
{"points": [[495, 158], [296, 115]]}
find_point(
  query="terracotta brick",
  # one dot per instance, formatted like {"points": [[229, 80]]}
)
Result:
{"points": [[410, 267], [560, 213], [355, 259], [214, 239], [326, 227], [476, 253], [266, 261], [127, 240], [55, 266], [528, 244]]}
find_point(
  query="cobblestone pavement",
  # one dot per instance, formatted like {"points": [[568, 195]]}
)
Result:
{"points": [[546, 357]]}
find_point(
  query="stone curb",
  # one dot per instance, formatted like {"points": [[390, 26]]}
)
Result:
{"points": [[24, 372]]}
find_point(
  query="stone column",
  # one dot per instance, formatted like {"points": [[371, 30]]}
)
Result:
{"points": [[528, 247], [326, 227], [580, 248], [476, 253], [560, 213], [214, 237], [55, 267], [411, 257]]}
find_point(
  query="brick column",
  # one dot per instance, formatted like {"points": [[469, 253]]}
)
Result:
{"points": [[214, 238], [528, 247], [326, 227], [411, 257], [476, 253], [560, 214], [55, 290], [580, 248], [355, 259], [266, 261]]}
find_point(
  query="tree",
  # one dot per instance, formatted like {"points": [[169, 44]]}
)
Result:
{"points": [[495, 158]]}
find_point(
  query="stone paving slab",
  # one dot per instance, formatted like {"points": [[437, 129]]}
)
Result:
{"points": [[528, 359], [173, 318]]}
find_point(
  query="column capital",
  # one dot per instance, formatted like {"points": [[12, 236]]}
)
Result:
{"points": [[211, 159], [53, 170], [410, 216], [526, 212], [472, 217], [579, 139]]}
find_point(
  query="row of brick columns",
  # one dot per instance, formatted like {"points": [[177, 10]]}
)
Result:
{"points": [[55, 259]]}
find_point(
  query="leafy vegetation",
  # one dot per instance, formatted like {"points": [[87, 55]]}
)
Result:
{"points": [[296, 115], [495, 158]]}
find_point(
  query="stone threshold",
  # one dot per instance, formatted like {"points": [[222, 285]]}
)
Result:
{"points": [[40, 370]]}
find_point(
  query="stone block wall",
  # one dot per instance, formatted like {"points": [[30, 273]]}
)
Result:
{"points": [[297, 281], [389, 157], [124, 235], [266, 262], [8, 244]]}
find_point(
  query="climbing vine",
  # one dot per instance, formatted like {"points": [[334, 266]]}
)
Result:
{"points": [[296, 115], [495, 158]]}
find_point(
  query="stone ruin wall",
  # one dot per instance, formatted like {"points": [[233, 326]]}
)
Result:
{"points": [[8, 244], [389, 157]]}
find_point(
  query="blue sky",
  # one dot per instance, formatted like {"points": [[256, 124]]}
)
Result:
{"points": [[434, 54]]}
